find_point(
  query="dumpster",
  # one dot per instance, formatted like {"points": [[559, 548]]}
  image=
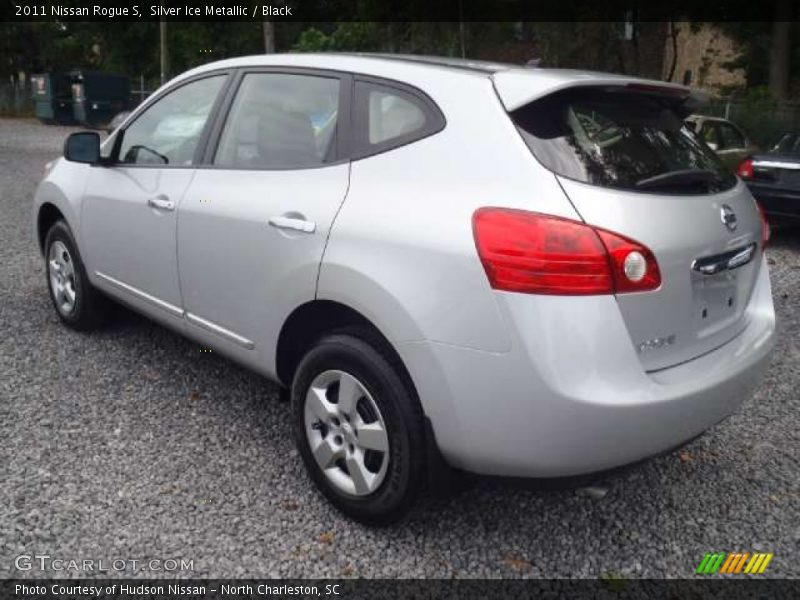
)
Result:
{"points": [[52, 97], [97, 97]]}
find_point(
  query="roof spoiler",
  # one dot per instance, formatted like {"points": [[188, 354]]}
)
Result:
{"points": [[518, 87]]}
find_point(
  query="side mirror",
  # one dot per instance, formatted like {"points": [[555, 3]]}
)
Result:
{"points": [[712, 145], [83, 147]]}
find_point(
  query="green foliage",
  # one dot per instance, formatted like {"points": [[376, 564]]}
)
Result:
{"points": [[761, 117], [313, 40]]}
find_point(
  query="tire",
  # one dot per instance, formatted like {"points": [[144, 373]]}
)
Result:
{"points": [[364, 482], [79, 305]]}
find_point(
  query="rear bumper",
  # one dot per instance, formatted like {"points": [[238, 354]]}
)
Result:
{"points": [[571, 396]]}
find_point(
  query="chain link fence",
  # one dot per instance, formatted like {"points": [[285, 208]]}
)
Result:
{"points": [[16, 99]]}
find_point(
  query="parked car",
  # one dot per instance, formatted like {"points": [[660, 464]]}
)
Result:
{"points": [[726, 139], [774, 179], [451, 264]]}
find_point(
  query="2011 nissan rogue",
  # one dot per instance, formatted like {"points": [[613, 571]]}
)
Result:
{"points": [[526, 272]]}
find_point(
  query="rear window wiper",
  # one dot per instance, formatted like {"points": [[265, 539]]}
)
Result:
{"points": [[682, 177]]}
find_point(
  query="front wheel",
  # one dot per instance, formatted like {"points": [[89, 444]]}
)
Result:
{"points": [[77, 303], [358, 427]]}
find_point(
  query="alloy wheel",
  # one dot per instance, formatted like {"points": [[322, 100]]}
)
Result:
{"points": [[346, 433], [62, 277]]}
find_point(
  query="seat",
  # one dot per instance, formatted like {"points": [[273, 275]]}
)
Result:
{"points": [[285, 139]]}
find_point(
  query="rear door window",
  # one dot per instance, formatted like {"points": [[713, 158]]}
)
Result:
{"points": [[281, 121], [620, 139]]}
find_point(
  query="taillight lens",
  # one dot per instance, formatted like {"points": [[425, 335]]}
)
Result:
{"points": [[745, 169], [766, 230], [533, 253]]}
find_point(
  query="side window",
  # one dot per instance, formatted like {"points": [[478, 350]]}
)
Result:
{"points": [[392, 116], [731, 138], [388, 117], [280, 121], [709, 134], [167, 132], [788, 144]]}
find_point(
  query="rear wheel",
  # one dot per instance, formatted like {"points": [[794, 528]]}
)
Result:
{"points": [[358, 427], [77, 303]]}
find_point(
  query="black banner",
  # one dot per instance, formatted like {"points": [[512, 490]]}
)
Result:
{"points": [[462, 589], [382, 10]]}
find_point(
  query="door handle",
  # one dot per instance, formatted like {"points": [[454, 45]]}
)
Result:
{"points": [[161, 203], [293, 223], [724, 262]]}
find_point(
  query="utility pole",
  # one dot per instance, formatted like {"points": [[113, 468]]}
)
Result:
{"points": [[163, 46], [268, 27], [461, 29]]}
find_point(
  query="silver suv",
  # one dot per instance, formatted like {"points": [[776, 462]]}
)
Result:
{"points": [[450, 264]]}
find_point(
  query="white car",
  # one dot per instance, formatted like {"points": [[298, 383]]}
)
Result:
{"points": [[451, 264]]}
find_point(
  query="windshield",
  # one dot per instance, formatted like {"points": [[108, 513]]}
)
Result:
{"points": [[620, 139]]}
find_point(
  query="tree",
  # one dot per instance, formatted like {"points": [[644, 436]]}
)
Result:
{"points": [[779, 50]]}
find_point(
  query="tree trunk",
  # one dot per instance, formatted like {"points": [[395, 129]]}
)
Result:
{"points": [[779, 51], [269, 36], [673, 34]]}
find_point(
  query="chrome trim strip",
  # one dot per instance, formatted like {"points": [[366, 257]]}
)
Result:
{"points": [[724, 262], [776, 164], [170, 308], [221, 331], [742, 258]]}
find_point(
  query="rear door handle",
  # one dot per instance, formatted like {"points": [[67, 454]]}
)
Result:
{"points": [[161, 203], [293, 223]]}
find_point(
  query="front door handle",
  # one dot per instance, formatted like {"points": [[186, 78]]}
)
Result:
{"points": [[293, 223], [161, 203]]}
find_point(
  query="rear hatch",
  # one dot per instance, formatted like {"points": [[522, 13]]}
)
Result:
{"points": [[628, 164]]}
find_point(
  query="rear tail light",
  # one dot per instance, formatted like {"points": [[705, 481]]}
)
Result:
{"points": [[745, 169], [540, 254], [766, 230]]}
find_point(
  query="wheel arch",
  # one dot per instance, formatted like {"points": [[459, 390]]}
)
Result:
{"points": [[308, 322], [46, 217]]}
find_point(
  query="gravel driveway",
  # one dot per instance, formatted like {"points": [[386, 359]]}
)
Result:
{"points": [[134, 444]]}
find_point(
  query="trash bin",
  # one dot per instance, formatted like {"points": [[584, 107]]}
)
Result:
{"points": [[52, 97], [97, 97]]}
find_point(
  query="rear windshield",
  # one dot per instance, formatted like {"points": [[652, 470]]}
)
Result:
{"points": [[788, 144], [620, 139]]}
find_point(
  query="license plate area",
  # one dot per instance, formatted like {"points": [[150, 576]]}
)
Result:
{"points": [[716, 302]]}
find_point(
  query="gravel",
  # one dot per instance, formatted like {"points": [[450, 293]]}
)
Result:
{"points": [[133, 444]]}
